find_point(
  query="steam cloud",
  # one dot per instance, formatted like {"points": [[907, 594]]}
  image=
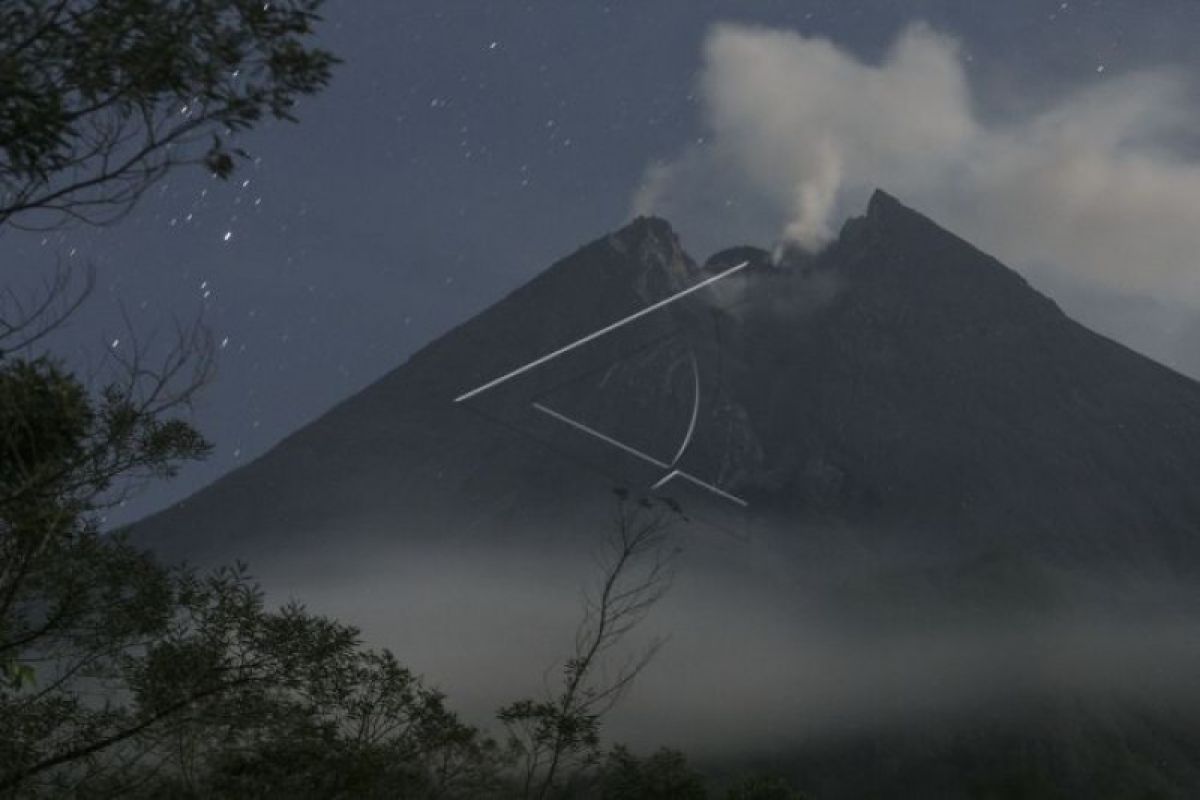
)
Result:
{"points": [[1098, 185]]}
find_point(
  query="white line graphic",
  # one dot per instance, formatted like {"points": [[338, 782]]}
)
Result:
{"points": [[674, 473], [678, 473], [687, 437], [606, 439], [597, 334]]}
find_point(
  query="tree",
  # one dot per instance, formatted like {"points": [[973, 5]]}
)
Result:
{"points": [[120, 676], [72, 602], [368, 728], [100, 646], [127, 676], [557, 737], [101, 98], [764, 787], [229, 700], [315, 716], [664, 775]]}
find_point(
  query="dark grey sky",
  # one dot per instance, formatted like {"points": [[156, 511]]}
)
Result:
{"points": [[461, 148]]}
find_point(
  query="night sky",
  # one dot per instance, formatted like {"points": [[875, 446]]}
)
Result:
{"points": [[461, 148]]}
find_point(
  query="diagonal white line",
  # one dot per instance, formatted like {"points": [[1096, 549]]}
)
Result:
{"points": [[678, 473], [607, 439], [674, 473], [597, 334]]}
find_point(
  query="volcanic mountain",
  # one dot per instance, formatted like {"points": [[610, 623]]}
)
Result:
{"points": [[900, 381], [898, 431]]}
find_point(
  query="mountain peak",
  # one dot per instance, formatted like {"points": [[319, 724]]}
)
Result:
{"points": [[653, 246], [881, 204], [645, 224], [923, 265], [646, 236], [885, 211]]}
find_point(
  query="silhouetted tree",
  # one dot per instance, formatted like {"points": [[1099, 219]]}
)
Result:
{"points": [[101, 98], [764, 787], [121, 675], [664, 775]]}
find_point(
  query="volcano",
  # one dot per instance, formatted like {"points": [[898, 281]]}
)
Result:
{"points": [[900, 381], [899, 402]]}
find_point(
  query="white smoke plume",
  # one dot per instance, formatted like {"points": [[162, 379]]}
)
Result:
{"points": [[1099, 185]]}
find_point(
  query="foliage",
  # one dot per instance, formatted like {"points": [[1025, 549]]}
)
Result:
{"points": [[120, 676], [60, 455], [764, 787], [123, 675], [101, 98], [664, 775], [314, 715]]}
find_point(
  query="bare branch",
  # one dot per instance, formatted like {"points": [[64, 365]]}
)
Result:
{"points": [[25, 320], [559, 735]]}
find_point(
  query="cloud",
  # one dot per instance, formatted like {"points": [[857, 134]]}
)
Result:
{"points": [[799, 131]]}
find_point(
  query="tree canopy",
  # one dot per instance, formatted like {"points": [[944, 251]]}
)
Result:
{"points": [[101, 98]]}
